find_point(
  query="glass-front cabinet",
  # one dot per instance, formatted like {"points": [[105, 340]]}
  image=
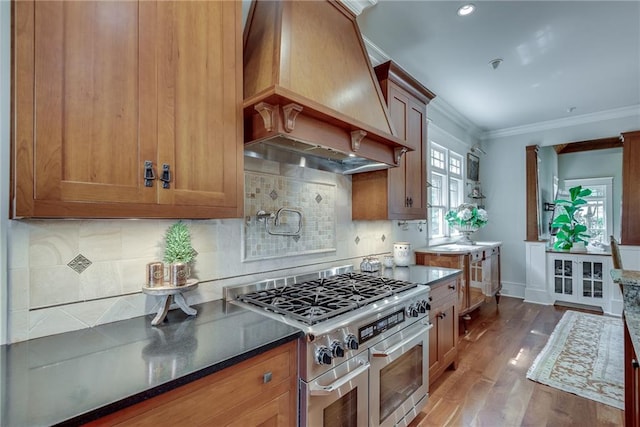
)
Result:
{"points": [[580, 278]]}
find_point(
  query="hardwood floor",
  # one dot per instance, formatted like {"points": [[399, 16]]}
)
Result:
{"points": [[490, 387]]}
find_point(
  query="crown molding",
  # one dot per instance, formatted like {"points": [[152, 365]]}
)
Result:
{"points": [[615, 113], [357, 6], [443, 107], [433, 125], [376, 55]]}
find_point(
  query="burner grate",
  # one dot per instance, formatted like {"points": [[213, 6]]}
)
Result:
{"points": [[318, 300]]}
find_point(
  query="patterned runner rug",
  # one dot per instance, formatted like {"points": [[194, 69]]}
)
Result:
{"points": [[584, 356]]}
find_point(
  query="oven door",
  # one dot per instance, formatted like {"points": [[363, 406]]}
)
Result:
{"points": [[399, 376], [338, 397]]}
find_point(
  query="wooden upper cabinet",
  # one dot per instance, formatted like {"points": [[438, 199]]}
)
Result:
{"points": [[400, 192], [103, 87], [630, 227], [199, 102]]}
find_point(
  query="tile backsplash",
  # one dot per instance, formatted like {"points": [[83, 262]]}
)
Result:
{"points": [[72, 274], [316, 201]]}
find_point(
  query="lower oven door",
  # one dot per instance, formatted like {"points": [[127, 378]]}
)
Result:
{"points": [[338, 397], [399, 376]]}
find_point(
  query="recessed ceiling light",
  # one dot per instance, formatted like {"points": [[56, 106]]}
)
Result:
{"points": [[466, 9]]}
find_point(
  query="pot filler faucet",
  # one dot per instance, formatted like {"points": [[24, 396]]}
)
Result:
{"points": [[267, 216]]}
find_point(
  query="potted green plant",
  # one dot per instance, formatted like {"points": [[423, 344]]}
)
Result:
{"points": [[570, 230], [178, 253]]}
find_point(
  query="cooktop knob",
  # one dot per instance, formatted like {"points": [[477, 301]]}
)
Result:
{"points": [[323, 356], [412, 311], [423, 306], [351, 342], [337, 350]]}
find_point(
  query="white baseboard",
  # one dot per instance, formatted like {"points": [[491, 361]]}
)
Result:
{"points": [[512, 289], [616, 308], [537, 296]]}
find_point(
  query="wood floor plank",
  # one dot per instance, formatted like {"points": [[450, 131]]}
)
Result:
{"points": [[490, 387]]}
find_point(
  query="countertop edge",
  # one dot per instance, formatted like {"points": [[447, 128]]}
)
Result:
{"points": [[175, 383]]}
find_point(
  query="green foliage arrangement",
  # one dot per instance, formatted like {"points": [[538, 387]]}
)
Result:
{"points": [[570, 230], [467, 216], [178, 244]]}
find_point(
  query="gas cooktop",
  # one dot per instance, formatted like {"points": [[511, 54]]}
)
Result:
{"points": [[318, 300]]}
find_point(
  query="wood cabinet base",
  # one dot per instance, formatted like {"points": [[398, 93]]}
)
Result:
{"points": [[237, 396], [443, 337]]}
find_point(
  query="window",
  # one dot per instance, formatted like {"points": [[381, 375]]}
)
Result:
{"points": [[445, 175], [597, 215]]}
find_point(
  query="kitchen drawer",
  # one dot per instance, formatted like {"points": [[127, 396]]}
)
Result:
{"points": [[443, 291], [476, 256]]}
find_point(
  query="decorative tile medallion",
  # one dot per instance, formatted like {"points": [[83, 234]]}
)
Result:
{"points": [[318, 198], [357, 240], [384, 237], [273, 194], [79, 264]]}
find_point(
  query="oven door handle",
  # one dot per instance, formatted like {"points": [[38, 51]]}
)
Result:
{"points": [[316, 389], [393, 349]]}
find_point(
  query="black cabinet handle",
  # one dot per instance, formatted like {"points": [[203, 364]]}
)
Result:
{"points": [[149, 175], [452, 287], [166, 176], [635, 364]]}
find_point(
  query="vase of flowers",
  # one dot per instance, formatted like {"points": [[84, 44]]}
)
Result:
{"points": [[467, 219]]}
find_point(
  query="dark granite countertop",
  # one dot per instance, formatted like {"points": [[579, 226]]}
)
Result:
{"points": [[78, 376], [629, 280], [457, 249], [421, 274]]}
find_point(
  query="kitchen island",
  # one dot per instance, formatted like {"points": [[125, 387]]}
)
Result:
{"points": [[480, 265]]}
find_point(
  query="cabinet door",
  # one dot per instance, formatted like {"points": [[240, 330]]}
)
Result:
{"points": [[562, 279], [199, 113], [82, 105], [399, 108], [592, 280], [407, 182]]}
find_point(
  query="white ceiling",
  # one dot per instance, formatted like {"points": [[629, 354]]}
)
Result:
{"points": [[556, 55]]}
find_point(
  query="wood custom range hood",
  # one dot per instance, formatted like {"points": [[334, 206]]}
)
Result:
{"points": [[310, 94]]}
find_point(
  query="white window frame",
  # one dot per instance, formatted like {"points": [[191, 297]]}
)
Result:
{"points": [[448, 178], [607, 182]]}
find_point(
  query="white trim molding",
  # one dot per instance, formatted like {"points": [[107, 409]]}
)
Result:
{"points": [[357, 6], [616, 113], [536, 273]]}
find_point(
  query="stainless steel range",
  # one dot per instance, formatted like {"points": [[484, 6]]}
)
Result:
{"points": [[364, 358]]}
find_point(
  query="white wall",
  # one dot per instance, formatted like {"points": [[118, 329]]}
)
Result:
{"points": [[503, 176]]}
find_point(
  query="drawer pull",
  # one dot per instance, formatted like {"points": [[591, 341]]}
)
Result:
{"points": [[452, 287], [266, 378]]}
